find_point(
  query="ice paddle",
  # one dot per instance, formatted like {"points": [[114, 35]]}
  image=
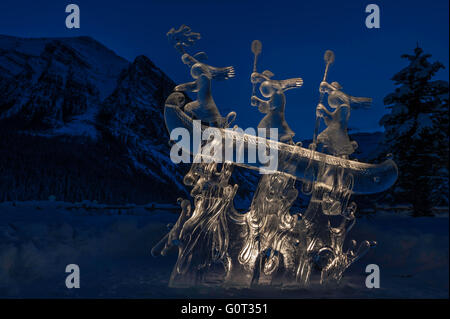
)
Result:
{"points": [[256, 49], [307, 187]]}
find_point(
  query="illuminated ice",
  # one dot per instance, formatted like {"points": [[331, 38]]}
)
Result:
{"points": [[270, 243]]}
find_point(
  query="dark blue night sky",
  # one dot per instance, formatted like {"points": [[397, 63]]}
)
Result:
{"points": [[294, 36]]}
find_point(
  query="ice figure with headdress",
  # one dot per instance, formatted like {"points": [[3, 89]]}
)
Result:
{"points": [[274, 108], [335, 137], [203, 108]]}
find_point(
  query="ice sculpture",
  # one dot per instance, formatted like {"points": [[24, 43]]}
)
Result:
{"points": [[269, 244]]}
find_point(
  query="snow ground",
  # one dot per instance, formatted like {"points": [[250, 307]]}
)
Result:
{"points": [[112, 247]]}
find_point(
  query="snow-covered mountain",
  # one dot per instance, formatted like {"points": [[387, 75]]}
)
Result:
{"points": [[55, 85], [81, 123], [133, 115]]}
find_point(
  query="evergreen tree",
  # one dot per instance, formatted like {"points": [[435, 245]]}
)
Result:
{"points": [[416, 133]]}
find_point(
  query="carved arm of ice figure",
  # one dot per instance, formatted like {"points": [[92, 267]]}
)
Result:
{"points": [[263, 106], [290, 83], [189, 86], [224, 73], [322, 111], [257, 77]]}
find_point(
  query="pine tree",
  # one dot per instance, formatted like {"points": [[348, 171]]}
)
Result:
{"points": [[416, 133]]}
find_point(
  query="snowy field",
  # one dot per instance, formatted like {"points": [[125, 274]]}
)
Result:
{"points": [[112, 248]]}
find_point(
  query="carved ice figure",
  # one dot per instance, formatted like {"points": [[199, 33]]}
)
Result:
{"points": [[335, 137], [275, 106], [204, 108]]}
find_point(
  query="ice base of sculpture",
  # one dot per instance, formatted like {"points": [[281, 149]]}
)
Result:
{"points": [[266, 246]]}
